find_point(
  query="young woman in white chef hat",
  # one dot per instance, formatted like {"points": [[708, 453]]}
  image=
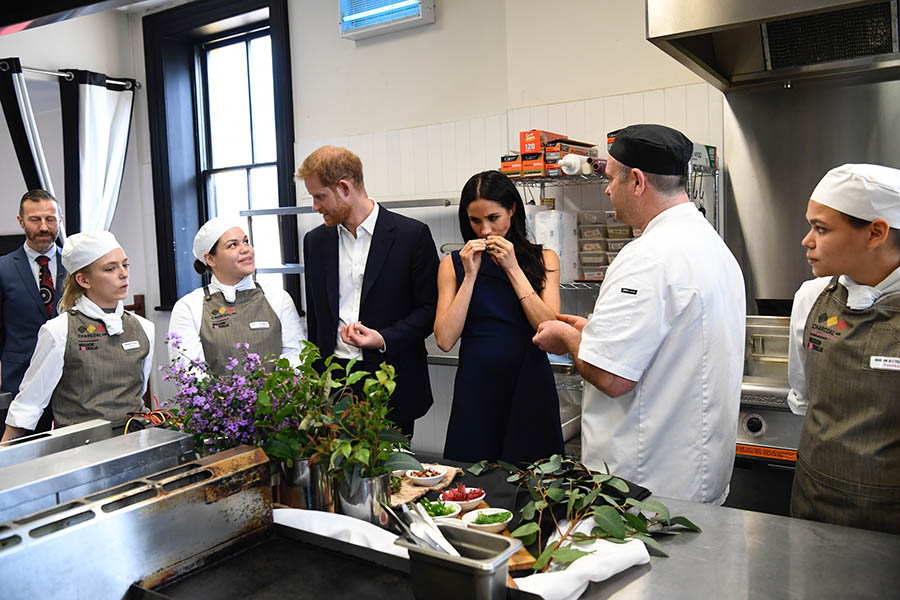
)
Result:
{"points": [[232, 309], [93, 360], [844, 361]]}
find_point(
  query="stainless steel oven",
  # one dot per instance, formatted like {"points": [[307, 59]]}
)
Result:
{"points": [[767, 431]]}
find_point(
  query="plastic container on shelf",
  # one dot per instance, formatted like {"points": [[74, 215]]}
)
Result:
{"points": [[611, 256], [591, 217], [593, 258], [616, 245], [594, 272], [592, 244], [593, 231], [617, 232]]}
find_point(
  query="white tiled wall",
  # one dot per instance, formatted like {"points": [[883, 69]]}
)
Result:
{"points": [[435, 161]]}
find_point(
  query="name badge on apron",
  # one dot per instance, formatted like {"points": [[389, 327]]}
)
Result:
{"points": [[132, 345], [259, 324], [885, 363]]}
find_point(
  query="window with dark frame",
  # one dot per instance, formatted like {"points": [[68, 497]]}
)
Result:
{"points": [[192, 180], [237, 135]]}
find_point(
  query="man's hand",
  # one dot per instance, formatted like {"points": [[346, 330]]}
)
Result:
{"points": [[357, 334], [573, 320], [558, 337]]}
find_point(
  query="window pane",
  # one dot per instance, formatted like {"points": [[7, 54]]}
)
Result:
{"points": [[266, 233], [262, 99], [228, 193], [229, 105]]}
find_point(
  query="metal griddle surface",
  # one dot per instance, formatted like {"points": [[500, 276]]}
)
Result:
{"points": [[281, 568], [290, 563]]}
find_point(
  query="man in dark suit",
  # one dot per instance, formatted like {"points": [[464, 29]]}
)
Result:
{"points": [[371, 280], [31, 284]]}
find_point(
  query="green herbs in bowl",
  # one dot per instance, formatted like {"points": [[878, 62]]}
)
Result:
{"points": [[439, 508], [491, 520]]}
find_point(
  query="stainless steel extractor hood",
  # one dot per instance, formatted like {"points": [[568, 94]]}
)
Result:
{"points": [[740, 43]]}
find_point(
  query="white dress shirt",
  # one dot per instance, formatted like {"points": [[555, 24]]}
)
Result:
{"points": [[32, 255], [187, 317], [857, 297], [353, 253], [670, 316], [46, 370]]}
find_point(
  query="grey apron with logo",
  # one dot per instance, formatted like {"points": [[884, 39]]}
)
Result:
{"points": [[102, 374], [848, 460], [248, 320]]}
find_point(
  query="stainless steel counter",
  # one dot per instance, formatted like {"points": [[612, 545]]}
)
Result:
{"points": [[748, 555]]}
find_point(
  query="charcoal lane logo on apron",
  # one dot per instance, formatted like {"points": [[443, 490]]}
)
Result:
{"points": [[825, 328], [221, 317], [89, 336]]}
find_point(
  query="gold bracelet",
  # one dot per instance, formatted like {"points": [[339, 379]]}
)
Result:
{"points": [[526, 295]]}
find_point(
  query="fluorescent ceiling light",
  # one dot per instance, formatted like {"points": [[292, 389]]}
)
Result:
{"points": [[380, 10]]}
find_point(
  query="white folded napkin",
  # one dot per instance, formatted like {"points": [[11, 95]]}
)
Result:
{"points": [[606, 560], [340, 527]]}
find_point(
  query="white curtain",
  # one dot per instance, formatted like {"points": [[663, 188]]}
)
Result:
{"points": [[23, 128], [99, 113]]}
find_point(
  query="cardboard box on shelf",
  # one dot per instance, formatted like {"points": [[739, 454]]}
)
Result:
{"points": [[533, 164], [705, 156], [511, 165], [534, 140], [557, 230], [559, 148]]}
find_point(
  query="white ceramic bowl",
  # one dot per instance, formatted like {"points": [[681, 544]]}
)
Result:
{"points": [[427, 481], [466, 505], [456, 510], [470, 517]]}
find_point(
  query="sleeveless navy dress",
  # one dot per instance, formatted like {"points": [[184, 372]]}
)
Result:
{"points": [[505, 404]]}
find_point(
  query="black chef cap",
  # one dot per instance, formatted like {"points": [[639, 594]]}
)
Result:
{"points": [[652, 148]]}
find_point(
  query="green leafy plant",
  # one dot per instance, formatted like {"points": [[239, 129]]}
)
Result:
{"points": [[355, 435], [307, 397], [567, 492]]}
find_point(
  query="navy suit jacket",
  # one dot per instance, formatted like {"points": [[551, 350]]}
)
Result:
{"points": [[399, 299], [22, 313]]}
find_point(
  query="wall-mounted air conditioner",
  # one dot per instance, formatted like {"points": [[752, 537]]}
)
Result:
{"points": [[366, 18]]}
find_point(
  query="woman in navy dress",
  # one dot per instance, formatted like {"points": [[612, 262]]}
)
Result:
{"points": [[493, 294]]}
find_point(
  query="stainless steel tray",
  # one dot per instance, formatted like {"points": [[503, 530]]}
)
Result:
{"points": [[49, 442], [149, 530], [44, 482]]}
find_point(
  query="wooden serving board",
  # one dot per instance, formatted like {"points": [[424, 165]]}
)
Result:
{"points": [[410, 492], [522, 560]]}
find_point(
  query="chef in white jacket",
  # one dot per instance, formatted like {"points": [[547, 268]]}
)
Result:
{"points": [[663, 350], [844, 352], [233, 308]]}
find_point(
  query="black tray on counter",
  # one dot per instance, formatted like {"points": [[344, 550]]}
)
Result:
{"points": [[290, 563]]}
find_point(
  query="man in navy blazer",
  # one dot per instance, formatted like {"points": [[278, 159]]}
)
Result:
{"points": [[24, 305], [371, 280]]}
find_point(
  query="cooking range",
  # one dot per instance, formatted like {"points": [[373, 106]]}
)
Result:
{"points": [[768, 432]]}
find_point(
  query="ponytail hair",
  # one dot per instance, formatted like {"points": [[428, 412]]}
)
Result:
{"points": [[72, 291]]}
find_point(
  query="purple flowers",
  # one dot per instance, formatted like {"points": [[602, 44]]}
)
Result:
{"points": [[221, 410]]}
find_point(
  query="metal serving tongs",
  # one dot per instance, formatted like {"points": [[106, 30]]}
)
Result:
{"points": [[432, 530], [407, 530]]}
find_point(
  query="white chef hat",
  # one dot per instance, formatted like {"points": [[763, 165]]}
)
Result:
{"points": [[866, 192], [81, 249], [211, 231]]}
